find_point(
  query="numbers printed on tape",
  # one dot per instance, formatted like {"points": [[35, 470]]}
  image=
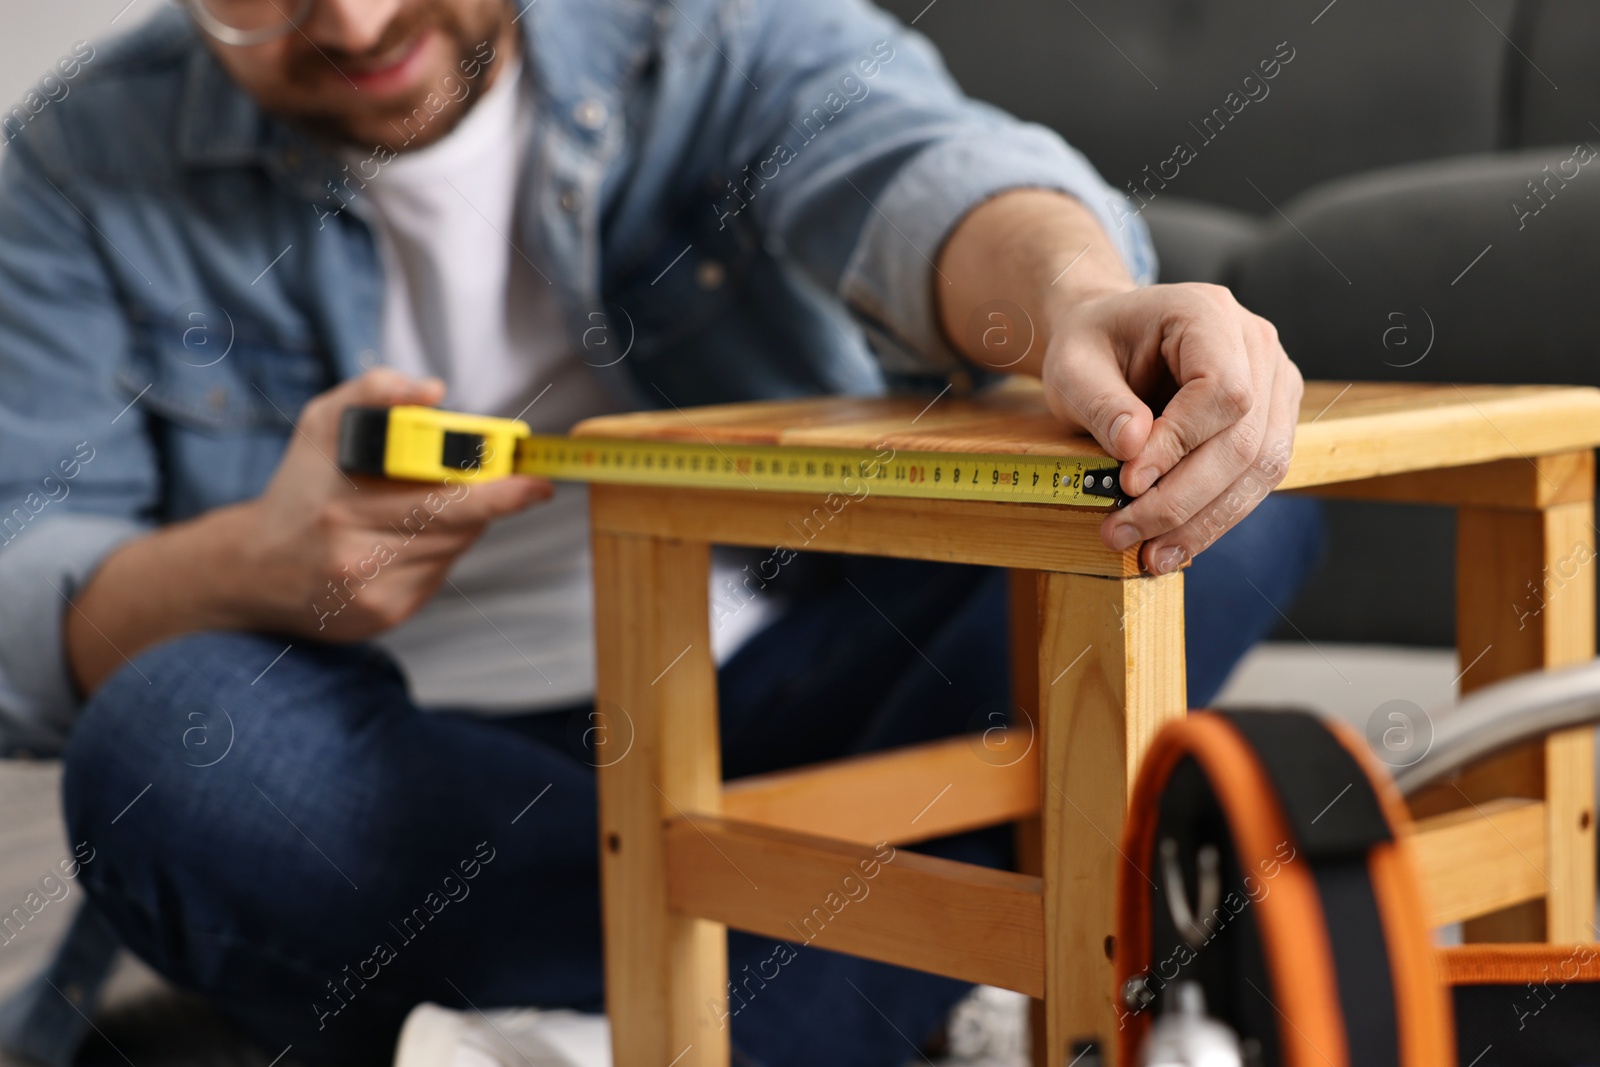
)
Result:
{"points": [[931, 475], [427, 444]]}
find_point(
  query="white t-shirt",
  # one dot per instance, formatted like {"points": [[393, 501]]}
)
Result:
{"points": [[513, 629]]}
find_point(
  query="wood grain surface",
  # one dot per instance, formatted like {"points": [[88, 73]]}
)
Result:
{"points": [[1347, 430]]}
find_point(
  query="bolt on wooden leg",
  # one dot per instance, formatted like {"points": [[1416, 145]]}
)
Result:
{"points": [[656, 711], [1111, 674], [1525, 600]]}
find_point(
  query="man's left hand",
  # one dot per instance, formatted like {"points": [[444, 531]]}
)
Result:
{"points": [[1115, 355], [1223, 436]]}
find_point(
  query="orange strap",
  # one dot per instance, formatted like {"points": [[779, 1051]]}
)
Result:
{"points": [[1518, 964]]}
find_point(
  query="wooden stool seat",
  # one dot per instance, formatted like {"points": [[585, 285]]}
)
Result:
{"points": [[1097, 668]]}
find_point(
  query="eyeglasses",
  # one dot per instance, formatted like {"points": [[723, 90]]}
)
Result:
{"points": [[249, 22]]}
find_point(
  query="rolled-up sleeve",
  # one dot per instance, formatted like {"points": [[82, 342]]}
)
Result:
{"points": [[860, 166], [932, 193], [41, 572], [78, 475]]}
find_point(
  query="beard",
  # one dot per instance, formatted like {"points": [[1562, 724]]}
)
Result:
{"points": [[469, 37]]}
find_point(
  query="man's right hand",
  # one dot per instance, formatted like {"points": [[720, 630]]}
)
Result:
{"points": [[320, 554], [343, 557]]}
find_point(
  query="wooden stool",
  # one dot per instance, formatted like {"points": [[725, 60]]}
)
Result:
{"points": [[1098, 667]]}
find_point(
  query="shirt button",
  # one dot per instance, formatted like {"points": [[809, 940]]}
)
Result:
{"points": [[591, 114], [368, 358], [710, 275], [571, 201]]}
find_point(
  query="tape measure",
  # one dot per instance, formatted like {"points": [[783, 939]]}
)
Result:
{"points": [[429, 445]]}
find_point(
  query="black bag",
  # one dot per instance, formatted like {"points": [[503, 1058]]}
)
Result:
{"points": [[1269, 911]]}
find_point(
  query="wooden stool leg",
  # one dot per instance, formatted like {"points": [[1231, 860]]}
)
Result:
{"points": [[1024, 637], [1525, 600], [666, 975], [1111, 673]]}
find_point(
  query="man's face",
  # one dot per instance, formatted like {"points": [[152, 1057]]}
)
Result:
{"points": [[357, 69]]}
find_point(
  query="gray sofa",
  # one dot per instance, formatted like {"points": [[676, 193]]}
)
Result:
{"points": [[1353, 198]]}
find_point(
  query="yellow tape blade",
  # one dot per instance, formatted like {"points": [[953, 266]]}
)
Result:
{"points": [[851, 472]]}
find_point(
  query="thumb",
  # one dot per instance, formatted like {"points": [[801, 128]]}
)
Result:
{"points": [[380, 387], [1085, 387], [496, 499], [385, 387]]}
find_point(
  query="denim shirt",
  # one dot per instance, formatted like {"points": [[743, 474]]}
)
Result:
{"points": [[732, 199]]}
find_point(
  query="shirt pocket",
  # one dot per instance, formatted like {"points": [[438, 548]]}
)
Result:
{"points": [[221, 397], [208, 372], [690, 279]]}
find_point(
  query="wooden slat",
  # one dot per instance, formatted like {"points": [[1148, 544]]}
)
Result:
{"points": [[1479, 860], [1539, 482], [1375, 430], [1347, 431], [1569, 828], [1040, 536], [957, 919], [666, 975], [1111, 674], [1012, 421], [1526, 589], [1524, 602], [1023, 598], [903, 796], [1022, 601], [1519, 773]]}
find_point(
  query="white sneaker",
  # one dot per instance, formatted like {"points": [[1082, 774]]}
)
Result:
{"points": [[989, 1029], [520, 1037]]}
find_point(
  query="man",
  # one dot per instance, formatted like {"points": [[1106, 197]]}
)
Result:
{"points": [[248, 216]]}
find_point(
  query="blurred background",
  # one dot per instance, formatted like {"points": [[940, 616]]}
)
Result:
{"points": [[1344, 201], [1369, 174], [36, 35]]}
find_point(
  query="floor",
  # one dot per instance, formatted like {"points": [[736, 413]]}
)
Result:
{"points": [[146, 1024]]}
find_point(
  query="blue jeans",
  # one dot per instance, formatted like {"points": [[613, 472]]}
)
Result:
{"points": [[316, 855]]}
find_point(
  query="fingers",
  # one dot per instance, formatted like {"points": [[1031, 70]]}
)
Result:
{"points": [[1201, 477], [380, 387], [382, 504], [1192, 529], [481, 502], [1214, 362], [384, 387], [1089, 389], [1234, 377], [451, 505]]}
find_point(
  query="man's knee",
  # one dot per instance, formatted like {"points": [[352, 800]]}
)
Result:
{"points": [[183, 726], [192, 770], [138, 725]]}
